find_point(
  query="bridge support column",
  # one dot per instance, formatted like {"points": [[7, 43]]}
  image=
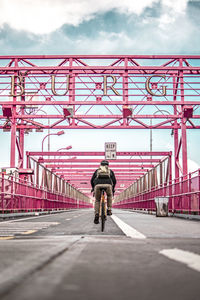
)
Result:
{"points": [[13, 143], [21, 138], [176, 160], [184, 147], [176, 153], [183, 125]]}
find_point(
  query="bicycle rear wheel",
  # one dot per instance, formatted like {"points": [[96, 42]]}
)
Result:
{"points": [[103, 217]]}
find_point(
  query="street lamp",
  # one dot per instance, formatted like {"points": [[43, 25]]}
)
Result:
{"points": [[66, 148], [58, 133]]}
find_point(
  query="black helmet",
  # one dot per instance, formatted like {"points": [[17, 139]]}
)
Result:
{"points": [[105, 163]]}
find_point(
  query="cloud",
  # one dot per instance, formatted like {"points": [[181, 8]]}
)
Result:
{"points": [[192, 165], [89, 27], [44, 17], [170, 9]]}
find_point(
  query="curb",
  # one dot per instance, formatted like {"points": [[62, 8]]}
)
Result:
{"points": [[182, 216], [28, 214]]}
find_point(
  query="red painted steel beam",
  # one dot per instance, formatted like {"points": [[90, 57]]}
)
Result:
{"points": [[103, 103], [78, 174], [129, 68], [115, 56], [95, 153], [125, 165], [35, 116], [141, 171], [88, 179], [84, 169], [99, 160], [112, 165], [77, 180], [93, 126]]}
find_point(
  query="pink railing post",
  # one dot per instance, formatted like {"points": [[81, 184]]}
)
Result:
{"points": [[189, 190], [199, 190], [181, 197], [2, 192], [12, 194]]}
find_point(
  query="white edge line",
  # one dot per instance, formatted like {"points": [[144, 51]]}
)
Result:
{"points": [[29, 218], [127, 229], [34, 217], [192, 260]]}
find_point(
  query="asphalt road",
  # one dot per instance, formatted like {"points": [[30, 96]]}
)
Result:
{"points": [[66, 256]]}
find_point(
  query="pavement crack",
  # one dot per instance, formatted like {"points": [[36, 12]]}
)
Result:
{"points": [[14, 279]]}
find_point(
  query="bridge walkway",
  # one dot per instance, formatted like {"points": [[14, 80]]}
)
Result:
{"points": [[66, 256]]}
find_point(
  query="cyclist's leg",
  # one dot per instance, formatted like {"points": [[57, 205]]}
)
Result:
{"points": [[97, 193], [109, 196]]}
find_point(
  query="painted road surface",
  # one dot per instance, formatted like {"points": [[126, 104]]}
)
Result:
{"points": [[66, 256]]}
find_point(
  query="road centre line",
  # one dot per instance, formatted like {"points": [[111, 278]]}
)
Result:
{"points": [[192, 260], [35, 217], [6, 237], [24, 219], [29, 232], [127, 229]]}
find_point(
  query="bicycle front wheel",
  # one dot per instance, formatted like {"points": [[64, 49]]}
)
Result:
{"points": [[103, 217]]}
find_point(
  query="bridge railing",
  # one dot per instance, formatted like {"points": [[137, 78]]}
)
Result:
{"points": [[183, 193], [18, 195]]}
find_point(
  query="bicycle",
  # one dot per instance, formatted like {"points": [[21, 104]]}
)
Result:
{"points": [[103, 209]]}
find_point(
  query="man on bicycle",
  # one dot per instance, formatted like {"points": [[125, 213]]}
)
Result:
{"points": [[103, 177]]}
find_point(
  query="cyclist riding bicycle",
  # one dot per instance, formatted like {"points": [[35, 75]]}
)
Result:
{"points": [[104, 178]]}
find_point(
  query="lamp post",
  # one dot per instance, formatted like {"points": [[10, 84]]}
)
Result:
{"points": [[58, 133], [65, 148]]}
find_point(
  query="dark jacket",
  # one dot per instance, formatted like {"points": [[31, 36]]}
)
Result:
{"points": [[95, 180]]}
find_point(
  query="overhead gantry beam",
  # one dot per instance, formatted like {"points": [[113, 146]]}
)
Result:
{"points": [[113, 93]]}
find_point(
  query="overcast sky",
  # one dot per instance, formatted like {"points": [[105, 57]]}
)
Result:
{"points": [[101, 27], [104, 27]]}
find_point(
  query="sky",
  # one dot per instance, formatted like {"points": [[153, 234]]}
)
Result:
{"points": [[101, 27]]}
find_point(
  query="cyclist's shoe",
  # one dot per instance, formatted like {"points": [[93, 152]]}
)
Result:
{"points": [[96, 219], [109, 212]]}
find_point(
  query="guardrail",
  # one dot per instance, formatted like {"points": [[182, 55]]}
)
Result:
{"points": [[21, 196], [183, 193]]}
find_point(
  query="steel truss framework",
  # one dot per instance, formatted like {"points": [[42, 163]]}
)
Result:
{"points": [[100, 92], [77, 168]]}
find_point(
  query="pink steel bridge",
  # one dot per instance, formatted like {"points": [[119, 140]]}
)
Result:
{"points": [[99, 92]]}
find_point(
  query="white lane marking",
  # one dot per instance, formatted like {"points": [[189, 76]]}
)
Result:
{"points": [[192, 260], [35, 217], [67, 219], [10, 229], [29, 232], [24, 219], [127, 229]]}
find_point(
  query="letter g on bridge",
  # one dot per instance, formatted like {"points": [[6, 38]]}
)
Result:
{"points": [[149, 90]]}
